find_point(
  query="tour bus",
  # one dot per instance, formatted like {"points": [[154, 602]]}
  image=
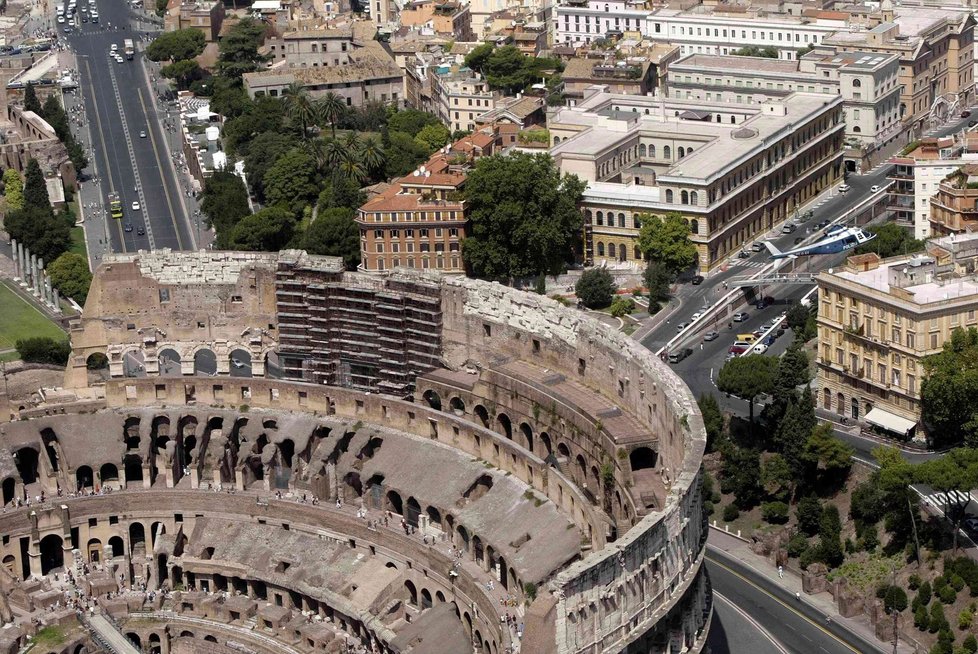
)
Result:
{"points": [[115, 205], [129, 48]]}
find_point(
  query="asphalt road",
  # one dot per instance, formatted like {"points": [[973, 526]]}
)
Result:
{"points": [[119, 105]]}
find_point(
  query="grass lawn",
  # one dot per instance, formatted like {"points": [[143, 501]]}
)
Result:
{"points": [[78, 242], [19, 319]]}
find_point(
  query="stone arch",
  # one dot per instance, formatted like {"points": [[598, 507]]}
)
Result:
{"points": [[694, 226], [826, 398], [612, 250], [412, 592], [210, 639], [667, 152], [134, 639], [205, 362], [505, 425], [26, 459], [432, 398], [440, 596], [169, 360], [694, 198], [434, 515], [133, 465], [642, 150], [457, 406], [669, 195], [117, 546], [600, 249], [426, 602], [108, 472], [156, 529], [137, 537], [84, 478], [546, 443], [93, 550], [394, 504], [599, 217], [154, 644], [239, 363], [463, 533], [527, 433], [642, 458], [840, 406], [413, 512], [563, 451], [684, 197], [581, 467], [482, 414], [9, 487], [52, 553]]}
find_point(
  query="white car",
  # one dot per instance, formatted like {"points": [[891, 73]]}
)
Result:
{"points": [[115, 46], [874, 189], [135, 206], [759, 348], [142, 134], [696, 316], [61, 18]]}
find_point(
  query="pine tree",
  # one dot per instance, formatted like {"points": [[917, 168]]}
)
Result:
{"points": [[35, 188], [31, 103]]}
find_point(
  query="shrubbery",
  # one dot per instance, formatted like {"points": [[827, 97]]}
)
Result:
{"points": [[42, 349]]}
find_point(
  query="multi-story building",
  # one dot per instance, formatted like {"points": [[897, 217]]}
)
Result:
{"points": [[954, 208], [917, 173], [878, 319], [449, 18], [868, 83], [733, 171], [312, 48], [460, 96], [638, 75], [206, 17], [936, 49]]}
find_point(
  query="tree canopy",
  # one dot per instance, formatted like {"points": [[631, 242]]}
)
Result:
{"points": [[177, 45], [747, 377], [13, 189], [335, 233], [666, 240], [239, 48], [31, 103], [525, 220], [42, 349], [47, 235], [946, 394], [268, 230], [70, 274], [225, 203], [35, 187], [952, 476], [183, 72], [291, 182], [595, 288], [507, 68], [411, 121], [891, 240], [754, 51]]}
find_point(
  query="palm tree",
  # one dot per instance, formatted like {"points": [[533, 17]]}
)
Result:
{"points": [[372, 153], [351, 166], [329, 108], [299, 106], [334, 152], [351, 142]]}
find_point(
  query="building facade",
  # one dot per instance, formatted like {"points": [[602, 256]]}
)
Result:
{"points": [[461, 96], [732, 171], [208, 18], [448, 19], [954, 208], [877, 321], [868, 83]]}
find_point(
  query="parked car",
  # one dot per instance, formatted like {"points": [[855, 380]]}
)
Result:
{"points": [[965, 113], [696, 316], [127, 227], [743, 254], [760, 348], [761, 304], [769, 341], [140, 231], [741, 316], [972, 122], [711, 336], [738, 348], [676, 357], [799, 239], [844, 188], [971, 523], [681, 326], [757, 247], [874, 188], [697, 280], [789, 228]]}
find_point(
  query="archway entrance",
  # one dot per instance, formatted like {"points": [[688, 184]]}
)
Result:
{"points": [[133, 364], [169, 363], [240, 363], [52, 553], [205, 362]]}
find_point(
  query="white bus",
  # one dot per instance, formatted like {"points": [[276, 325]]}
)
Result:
{"points": [[60, 10]]}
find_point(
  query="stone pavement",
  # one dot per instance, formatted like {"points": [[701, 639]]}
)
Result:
{"points": [[739, 549]]}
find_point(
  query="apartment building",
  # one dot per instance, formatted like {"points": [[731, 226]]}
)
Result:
{"points": [[868, 83], [640, 74], [733, 171], [460, 96], [954, 208], [208, 17], [446, 18], [936, 50], [916, 176], [878, 319], [311, 48]]}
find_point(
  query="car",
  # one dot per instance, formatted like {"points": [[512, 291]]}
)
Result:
{"points": [[681, 326], [965, 113], [140, 231], [674, 357], [757, 247], [761, 304], [738, 348], [94, 18], [799, 239], [711, 336], [743, 254], [759, 348], [68, 29], [127, 227], [789, 228], [971, 523], [769, 341], [696, 316], [84, 18], [874, 189], [844, 188], [142, 133], [972, 122], [757, 333], [697, 280], [237, 363], [135, 206], [741, 316], [61, 19], [114, 47]]}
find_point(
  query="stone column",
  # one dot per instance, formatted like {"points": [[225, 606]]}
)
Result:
{"points": [[13, 254], [25, 270], [57, 301], [33, 280], [46, 289]]}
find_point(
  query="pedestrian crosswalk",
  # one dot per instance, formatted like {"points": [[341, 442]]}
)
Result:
{"points": [[748, 264], [940, 501]]}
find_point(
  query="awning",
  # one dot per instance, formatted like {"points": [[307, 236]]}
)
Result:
{"points": [[890, 421]]}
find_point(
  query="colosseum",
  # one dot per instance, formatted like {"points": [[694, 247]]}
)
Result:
{"points": [[264, 453]]}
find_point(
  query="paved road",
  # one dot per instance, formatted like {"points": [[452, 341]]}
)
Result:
{"points": [[119, 104], [797, 626]]}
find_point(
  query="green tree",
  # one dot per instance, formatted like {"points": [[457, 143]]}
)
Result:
{"points": [[13, 189], [238, 49], [792, 433], [864, 508], [70, 274], [177, 45], [891, 240], [432, 137], [895, 600], [830, 536], [299, 107], [828, 456], [595, 288], [42, 349], [809, 514], [951, 476], [228, 96], [666, 240], [950, 381], [329, 109], [225, 203], [657, 280], [404, 154], [777, 477], [754, 51], [265, 150], [970, 644], [899, 503], [31, 103], [411, 121], [184, 72], [335, 233], [48, 236], [747, 377], [524, 217], [291, 181], [712, 419], [268, 230], [263, 116], [478, 56], [35, 187], [741, 470]]}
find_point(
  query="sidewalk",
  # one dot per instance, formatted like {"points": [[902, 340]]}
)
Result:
{"points": [[739, 549]]}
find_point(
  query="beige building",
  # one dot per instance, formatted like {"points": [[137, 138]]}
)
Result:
{"points": [[868, 83], [878, 319], [447, 19], [732, 171], [205, 17], [312, 48], [638, 75], [460, 97]]}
